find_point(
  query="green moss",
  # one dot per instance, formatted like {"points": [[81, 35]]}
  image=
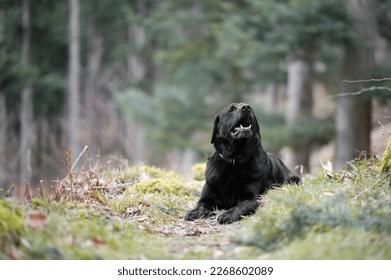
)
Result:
{"points": [[337, 244], [141, 172], [386, 160], [146, 171], [11, 223], [162, 185], [198, 171]]}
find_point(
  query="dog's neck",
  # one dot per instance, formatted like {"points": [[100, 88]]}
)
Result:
{"points": [[229, 160], [228, 152]]}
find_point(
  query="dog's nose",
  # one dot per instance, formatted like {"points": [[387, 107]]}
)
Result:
{"points": [[245, 107]]}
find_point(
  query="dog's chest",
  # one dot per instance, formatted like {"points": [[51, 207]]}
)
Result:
{"points": [[234, 179]]}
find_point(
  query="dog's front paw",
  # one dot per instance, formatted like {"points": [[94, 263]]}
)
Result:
{"points": [[197, 213], [228, 217], [192, 215]]}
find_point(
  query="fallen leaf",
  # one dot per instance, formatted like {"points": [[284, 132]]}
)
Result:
{"points": [[98, 241], [13, 253], [35, 219]]}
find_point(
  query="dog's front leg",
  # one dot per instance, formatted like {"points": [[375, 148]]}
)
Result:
{"points": [[199, 211], [244, 208], [204, 206]]}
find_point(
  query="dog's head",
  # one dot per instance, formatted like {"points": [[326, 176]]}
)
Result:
{"points": [[234, 122]]}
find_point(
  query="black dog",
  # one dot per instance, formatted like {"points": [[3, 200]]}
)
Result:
{"points": [[239, 170]]}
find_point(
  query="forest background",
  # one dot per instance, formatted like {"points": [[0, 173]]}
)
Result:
{"points": [[141, 80]]}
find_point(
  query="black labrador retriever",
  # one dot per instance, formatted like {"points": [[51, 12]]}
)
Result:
{"points": [[239, 170]]}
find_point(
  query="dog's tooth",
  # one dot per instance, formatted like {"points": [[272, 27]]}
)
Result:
{"points": [[249, 126], [241, 126]]}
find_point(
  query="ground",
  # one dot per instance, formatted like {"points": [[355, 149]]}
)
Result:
{"points": [[136, 212]]}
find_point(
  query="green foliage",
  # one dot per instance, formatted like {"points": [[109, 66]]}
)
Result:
{"points": [[209, 50], [386, 159], [172, 106], [309, 132], [177, 114], [11, 223], [292, 23], [14, 75]]}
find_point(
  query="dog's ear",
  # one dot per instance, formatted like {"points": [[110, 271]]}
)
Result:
{"points": [[257, 128], [215, 128]]}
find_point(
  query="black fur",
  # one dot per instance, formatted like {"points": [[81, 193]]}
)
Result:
{"points": [[239, 170]]}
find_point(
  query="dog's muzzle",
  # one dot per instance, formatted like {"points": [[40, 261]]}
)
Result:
{"points": [[244, 124]]}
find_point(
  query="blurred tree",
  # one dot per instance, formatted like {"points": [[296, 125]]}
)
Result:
{"points": [[3, 109], [137, 70], [255, 36], [92, 85], [172, 64], [26, 112], [212, 53], [353, 119], [294, 31], [74, 78], [14, 77], [50, 59]]}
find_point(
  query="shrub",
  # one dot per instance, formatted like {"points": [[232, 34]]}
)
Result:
{"points": [[11, 223], [198, 171]]}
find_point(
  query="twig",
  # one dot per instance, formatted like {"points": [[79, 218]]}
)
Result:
{"points": [[372, 186], [78, 158], [42, 189], [70, 174], [27, 194], [89, 160], [367, 81], [112, 187], [360, 91]]}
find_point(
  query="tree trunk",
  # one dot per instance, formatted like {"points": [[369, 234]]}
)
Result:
{"points": [[137, 67], [271, 98], [135, 63], [3, 139], [3, 115], [353, 118], [26, 114], [299, 93], [74, 79], [92, 86]]}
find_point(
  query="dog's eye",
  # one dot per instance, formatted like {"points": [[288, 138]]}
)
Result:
{"points": [[232, 108]]}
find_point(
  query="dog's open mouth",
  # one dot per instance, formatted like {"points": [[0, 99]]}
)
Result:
{"points": [[242, 126]]}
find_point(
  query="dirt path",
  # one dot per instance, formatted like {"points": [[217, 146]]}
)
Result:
{"points": [[204, 238]]}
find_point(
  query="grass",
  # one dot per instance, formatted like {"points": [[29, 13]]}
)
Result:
{"points": [[136, 212], [346, 215]]}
